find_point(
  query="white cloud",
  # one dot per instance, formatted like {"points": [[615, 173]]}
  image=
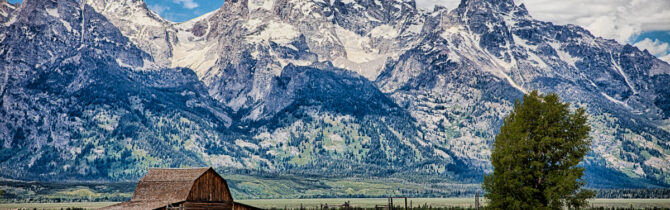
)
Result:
{"points": [[612, 19], [621, 20], [666, 58], [188, 4], [658, 48], [159, 9], [655, 47]]}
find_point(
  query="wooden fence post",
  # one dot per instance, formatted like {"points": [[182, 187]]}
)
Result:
{"points": [[477, 200]]}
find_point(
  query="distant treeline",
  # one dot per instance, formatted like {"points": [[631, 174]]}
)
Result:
{"points": [[41, 192], [465, 208], [62, 192], [661, 193], [64, 199]]}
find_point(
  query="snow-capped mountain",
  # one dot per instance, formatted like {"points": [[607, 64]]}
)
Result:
{"points": [[74, 104], [486, 53], [359, 87]]}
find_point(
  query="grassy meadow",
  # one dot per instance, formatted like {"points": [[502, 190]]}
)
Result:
{"points": [[359, 202], [438, 202], [79, 205], [290, 192], [242, 187]]}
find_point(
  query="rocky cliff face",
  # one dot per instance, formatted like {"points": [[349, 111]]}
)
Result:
{"points": [[143, 27], [80, 101], [361, 87], [6, 11], [486, 53]]}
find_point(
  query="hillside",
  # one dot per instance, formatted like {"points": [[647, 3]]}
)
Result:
{"points": [[103, 90]]}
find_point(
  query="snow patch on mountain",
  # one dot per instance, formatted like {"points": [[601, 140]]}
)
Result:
{"points": [[565, 56], [620, 71], [260, 4], [384, 31], [277, 32], [53, 12], [361, 57]]}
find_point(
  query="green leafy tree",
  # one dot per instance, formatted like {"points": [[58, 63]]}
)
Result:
{"points": [[536, 155]]}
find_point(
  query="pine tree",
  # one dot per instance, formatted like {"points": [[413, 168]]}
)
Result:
{"points": [[536, 155]]}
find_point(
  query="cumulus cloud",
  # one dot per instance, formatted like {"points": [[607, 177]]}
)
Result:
{"points": [[666, 58], [621, 20], [159, 9], [658, 48], [613, 19], [188, 4], [655, 47]]}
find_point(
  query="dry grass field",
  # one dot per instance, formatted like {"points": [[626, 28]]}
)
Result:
{"points": [[84, 205], [356, 202]]}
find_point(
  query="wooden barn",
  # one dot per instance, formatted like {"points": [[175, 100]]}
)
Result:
{"points": [[196, 188]]}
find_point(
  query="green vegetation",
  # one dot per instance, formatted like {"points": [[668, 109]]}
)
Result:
{"points": [[59, 206], [361, 202], [246, 187], [535, 156], [277, 187], [37, 192], [417, 203], [292, 186], [659, 193], [442, 203]]}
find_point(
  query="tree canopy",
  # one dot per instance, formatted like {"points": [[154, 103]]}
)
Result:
{"points": [[536, 155]]}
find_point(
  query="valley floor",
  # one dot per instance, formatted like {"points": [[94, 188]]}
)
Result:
{"points": [[358, 202]]}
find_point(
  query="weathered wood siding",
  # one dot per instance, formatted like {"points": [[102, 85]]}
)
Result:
{"points": [[210, 187], [195, 205], [240, 206]]}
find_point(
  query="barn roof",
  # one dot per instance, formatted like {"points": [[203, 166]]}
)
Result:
{"points": [[136, 205], [167, 185]]}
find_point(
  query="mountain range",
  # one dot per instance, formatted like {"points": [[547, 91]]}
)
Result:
{"points": [[104, 90]]}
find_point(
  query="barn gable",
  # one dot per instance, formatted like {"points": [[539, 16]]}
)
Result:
{"points": [[210, 187]]}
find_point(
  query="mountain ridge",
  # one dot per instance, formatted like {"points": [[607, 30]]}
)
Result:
{"points": [[313, 85]]}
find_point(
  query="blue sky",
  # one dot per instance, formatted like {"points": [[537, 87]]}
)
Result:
{"points": [[178, 10], [183, 10]]}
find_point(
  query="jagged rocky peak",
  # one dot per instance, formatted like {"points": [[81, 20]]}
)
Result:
{"points": [[240, 7], [499, 5], [254, 5], [384, 11], [491, 20], [77, 25], [6, 10], [285, 9], [143, 27], [118, 3], [391, 12], [120, 7], [135, 11], [492, 11], [60, 16], [33, 5]]}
